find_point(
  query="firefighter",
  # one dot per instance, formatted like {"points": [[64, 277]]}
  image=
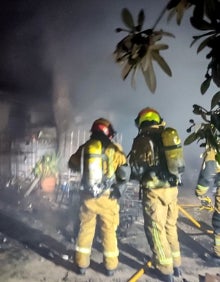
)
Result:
{"points": [[159, 192], [99, 201], [209, 175]]}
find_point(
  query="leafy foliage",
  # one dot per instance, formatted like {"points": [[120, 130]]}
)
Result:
{"points": [[139, 49], [47, 166], [177, 7], [206, 18], [208, 132]]}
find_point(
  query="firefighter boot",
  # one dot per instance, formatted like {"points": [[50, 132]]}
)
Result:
{"points": [[161, 276], [109, 272], [81, 270], [177, 272], [166, 277]]}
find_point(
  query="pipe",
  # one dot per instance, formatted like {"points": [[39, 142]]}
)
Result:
{"points": [[140, 272], [194, 221]]}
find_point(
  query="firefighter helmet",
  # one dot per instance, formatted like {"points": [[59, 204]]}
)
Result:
{"points": [[148, 116], [104, 126]]}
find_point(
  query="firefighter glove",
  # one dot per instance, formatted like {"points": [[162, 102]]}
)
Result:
{"points": [[115, 193]]}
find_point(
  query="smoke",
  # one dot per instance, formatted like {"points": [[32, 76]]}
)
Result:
{"points": [[78, 38], [4, 115]]}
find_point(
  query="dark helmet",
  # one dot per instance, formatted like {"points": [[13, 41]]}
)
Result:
{"points": [[104, 126], [148, 116]]}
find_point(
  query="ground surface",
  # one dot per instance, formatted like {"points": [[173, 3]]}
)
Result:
{"points": [[37, 239]]}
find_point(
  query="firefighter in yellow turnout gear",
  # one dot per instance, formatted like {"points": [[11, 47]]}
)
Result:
{"points": [[159, 194], [209, 175], [101, 189]]}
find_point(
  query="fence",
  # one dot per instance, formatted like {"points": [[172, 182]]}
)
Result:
{"points": [[19, 157], [24, 156]]}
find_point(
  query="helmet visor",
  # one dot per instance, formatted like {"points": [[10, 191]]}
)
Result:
{"points": [[149, 116]]}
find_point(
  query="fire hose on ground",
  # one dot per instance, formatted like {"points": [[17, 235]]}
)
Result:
{"points": [[194, 221]]}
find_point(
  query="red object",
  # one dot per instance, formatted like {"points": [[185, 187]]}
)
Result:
{"points": [[48, 184]]}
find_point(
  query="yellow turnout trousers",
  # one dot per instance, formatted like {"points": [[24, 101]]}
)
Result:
{"points": [[160, 212], [108, 212]]}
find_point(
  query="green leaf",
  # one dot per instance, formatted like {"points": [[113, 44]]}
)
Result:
{"points": [[133, 77], [197, 109], [156, 37], [164, 33], [161, 62], [159, 47], [169, 34], [217, 157], [150, 78], [204, 116], [126, 70], [191, 138], [215, 100], [179, 15], [210, 9], [215, 70], [172, 4], [127, 18], [203, 44], [205, 85], [171, 14], [47, 165], [141, 17], [197, 37], [212, 140], [146, 61], [200, 24]]}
